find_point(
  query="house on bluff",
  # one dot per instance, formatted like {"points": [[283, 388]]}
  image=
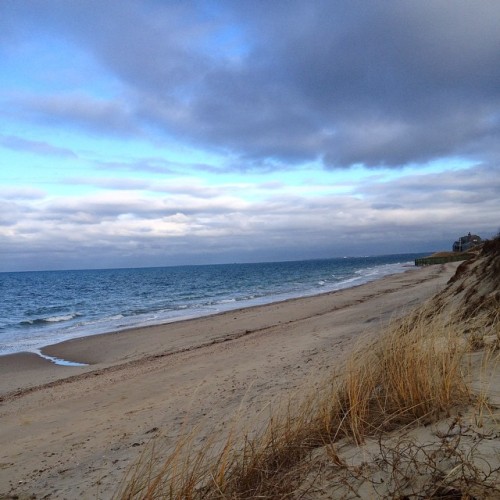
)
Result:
{"points": [[465, 243]]}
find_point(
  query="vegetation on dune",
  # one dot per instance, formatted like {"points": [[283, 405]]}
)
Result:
{"points": [[414, 374]]}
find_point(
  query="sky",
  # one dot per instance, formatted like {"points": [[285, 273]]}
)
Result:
{"points": [[151, 133]]}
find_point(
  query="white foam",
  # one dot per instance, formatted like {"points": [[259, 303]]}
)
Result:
{"points": [[58, 319], [58, 361]]}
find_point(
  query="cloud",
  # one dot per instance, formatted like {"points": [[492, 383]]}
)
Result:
{"points": [[21, 193], [159, 165], [186, 187], [349, 82], [109, 183], [37, 147], [476, 185], [150, 165], [81, 111], [186, 226], [262, 88]]}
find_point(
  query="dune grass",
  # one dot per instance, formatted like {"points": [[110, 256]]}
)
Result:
{"points": [[414, 373]]}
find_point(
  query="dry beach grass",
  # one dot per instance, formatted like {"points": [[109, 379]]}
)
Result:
{"points": [[405, 402]]}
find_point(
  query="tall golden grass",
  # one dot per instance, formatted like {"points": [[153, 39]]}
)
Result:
{"points": [[414, 373]]}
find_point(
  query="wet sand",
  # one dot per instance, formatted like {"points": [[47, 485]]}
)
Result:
{"points": [[73, 432]]}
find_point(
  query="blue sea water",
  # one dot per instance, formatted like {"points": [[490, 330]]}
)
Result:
{"points": [[44, 307]]}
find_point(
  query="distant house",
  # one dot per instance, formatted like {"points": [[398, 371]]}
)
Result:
{"points": [[465, 243]]}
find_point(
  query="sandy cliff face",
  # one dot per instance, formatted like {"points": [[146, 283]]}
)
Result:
{"points": [[474, 290]]}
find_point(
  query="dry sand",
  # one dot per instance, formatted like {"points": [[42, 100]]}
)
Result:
{"points": [[73, 432]]}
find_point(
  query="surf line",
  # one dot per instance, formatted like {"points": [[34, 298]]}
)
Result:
{"points": [[58, 361]]}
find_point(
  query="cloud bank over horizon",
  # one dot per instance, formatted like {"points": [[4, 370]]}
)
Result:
{"points": [[158, 133]]}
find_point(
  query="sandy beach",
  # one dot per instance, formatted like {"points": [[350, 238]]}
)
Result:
{"points": [[73, 432]]}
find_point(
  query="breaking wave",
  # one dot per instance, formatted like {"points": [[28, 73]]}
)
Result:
{"points": [[50, 319]]}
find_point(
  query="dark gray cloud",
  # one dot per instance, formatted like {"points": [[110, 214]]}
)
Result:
{"points": [[350, 82]]}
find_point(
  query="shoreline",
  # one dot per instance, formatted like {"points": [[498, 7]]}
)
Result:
{"points": [[43, 351], [104, 351], [70, 430], [83, 352], [57, 330]]}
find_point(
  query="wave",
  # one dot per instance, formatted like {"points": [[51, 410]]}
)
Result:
{"points": [[50, 319], [57, 319]]}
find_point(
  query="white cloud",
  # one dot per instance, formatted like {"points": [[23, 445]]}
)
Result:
{"points": [[181, 227]]}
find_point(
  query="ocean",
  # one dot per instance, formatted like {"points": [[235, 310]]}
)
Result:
{"points": [[45, 307]]}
